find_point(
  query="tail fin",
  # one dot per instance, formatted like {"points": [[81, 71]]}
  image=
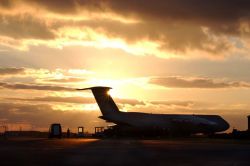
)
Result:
{"points": [[104, 100]]}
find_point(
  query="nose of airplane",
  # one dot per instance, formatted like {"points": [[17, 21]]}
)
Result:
{"points": [[222, 125], [226, 125]]}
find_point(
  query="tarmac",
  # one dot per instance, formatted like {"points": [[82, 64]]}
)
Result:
{"points": [[127, 152]]}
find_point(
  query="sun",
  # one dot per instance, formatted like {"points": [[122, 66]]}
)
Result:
{"points": [[110, 92]]}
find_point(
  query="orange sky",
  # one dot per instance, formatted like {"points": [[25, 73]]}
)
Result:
{"points": [[162, 56]]}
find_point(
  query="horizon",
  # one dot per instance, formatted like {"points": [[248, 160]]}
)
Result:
{"points": [[168, 57]]}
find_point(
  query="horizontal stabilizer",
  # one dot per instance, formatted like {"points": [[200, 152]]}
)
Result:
{"points": [[96, 87]]}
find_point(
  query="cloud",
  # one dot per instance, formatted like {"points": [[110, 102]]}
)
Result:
{"points": [[164, 28], [180, 82], [11, 71], [173, 103], [22, 86], [24, 26], [66, 80], [223, 10], [5, 3], [193, 10], [74, 100], [78, 100], [41, 116], [132, 102]]}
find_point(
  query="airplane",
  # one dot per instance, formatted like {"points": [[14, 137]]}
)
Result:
{"points": [[171, 124]]}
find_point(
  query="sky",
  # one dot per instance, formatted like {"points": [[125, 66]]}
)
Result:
{"points": [[161, 56]]}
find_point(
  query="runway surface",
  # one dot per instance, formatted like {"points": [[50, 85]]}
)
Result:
{"points": [[127, 152]]}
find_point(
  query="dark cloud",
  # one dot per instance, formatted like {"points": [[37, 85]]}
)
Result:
{"points": [[179, 82], [224, 13], [178, 26], [223, 10], [191, 10], [5, 3], [70, 6], [24, 26], [79, 100], [11, 71], [20, 86], [58, 6]]}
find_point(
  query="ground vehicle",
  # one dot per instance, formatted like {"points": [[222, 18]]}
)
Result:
{"points": [[55, 130]]}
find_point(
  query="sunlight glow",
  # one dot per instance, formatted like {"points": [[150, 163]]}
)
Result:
{"points": [[76, 107]]}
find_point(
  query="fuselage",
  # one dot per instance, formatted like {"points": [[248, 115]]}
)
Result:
{"points": [[170, 122]]}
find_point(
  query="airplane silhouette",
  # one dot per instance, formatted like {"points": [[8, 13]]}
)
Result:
{"points": [[169, 123]]}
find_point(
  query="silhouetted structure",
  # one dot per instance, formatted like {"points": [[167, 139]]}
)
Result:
{"points": [[99, 131], [3, 131], [80, 132], [236, 134], [68, 133], [55, 131], [248, 117]]}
